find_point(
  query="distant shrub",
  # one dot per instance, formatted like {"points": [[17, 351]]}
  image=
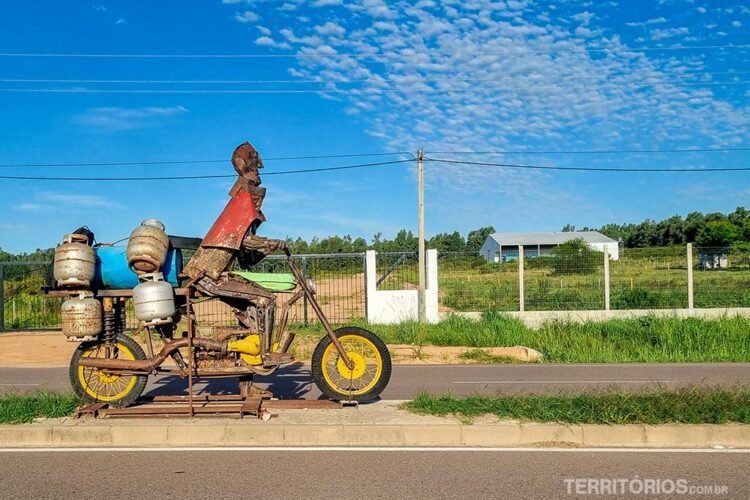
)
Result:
{"points": [[575, 257]]}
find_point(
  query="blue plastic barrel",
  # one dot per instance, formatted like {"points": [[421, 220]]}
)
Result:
{"points": [[113, 272]]}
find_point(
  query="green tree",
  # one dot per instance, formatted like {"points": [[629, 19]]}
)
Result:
{"points": [[575, 257], [475, 239], [448, 242], [717, 233]]}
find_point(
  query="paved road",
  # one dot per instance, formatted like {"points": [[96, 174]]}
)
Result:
{"points": [[407, 380], [360, 474]]}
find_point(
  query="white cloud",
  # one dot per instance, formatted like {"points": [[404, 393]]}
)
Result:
{"points": [[330, 28], [246, 17], [487, 76], [326, 3], [737, 24], [663, 34], [28, 207], [67, 202], [121, 20], [584, 17], [265, 40], [118, 118]]}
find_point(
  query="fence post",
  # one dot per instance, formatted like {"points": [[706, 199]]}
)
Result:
{"points": [[521, 294], [691, 297], [2, 297], [304, 297], [606, 279]]}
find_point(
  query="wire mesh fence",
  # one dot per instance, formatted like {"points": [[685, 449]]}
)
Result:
{"points": [[23, 305], [397, 271], [339, 280], [649, 278], [468, 282], [722, 277]]}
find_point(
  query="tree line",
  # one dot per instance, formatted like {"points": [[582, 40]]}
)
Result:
{"points": [[713, 229]]}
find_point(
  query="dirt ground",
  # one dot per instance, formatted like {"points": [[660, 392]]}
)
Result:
{"points": [[51, 349], [341, 299]]}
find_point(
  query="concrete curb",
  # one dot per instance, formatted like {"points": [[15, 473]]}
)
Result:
{"points": [[253, 433]]}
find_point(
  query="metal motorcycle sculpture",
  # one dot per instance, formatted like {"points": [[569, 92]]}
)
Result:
{"points": [[109, 366]]}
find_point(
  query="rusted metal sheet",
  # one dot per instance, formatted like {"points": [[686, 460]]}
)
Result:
{"points": [[229, 229]]}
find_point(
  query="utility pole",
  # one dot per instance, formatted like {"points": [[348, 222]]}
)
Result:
{"points": [[421, 257]]}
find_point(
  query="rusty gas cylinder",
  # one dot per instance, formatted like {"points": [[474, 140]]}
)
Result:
{"points": [[75, 262], [147, 247], [82, 317]]}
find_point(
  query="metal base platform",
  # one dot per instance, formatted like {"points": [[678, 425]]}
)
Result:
{"points": [[233, 406]]}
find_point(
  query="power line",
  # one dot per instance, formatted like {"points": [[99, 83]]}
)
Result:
{"points": [[373, 90], [187, 162], [394, 153], [370, 55], [590, 169], [596, 151], [193, 177], [407, 80]]}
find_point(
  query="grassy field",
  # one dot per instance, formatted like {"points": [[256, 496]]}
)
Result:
{"points": [[654, 278], [19, 409], [648, 339], [685, 406]]}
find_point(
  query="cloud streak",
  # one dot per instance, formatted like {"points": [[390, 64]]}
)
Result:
{"points": [[120, 118]]}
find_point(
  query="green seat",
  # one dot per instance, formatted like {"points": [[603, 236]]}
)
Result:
{"points": [[277, 282]]}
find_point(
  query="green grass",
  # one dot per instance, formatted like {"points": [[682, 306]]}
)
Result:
{"points": [[483, 357], [645, 278], [688, 406], [647, 339], [19, 409]]}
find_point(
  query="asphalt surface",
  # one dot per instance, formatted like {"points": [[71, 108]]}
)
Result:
{"points": [[364, 474], [408, 380]]}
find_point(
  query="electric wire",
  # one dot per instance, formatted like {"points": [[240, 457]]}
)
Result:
{"points": [[394, 153], [589, 169], [366, 90], [187, 162], [410, 53], [407, 80], [195, 177], [597, 151], [371, 90]]}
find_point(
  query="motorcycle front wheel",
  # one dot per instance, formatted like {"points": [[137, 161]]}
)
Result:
{"points": [[94, 385], [369, 375]]}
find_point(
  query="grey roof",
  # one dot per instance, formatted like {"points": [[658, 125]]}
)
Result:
{"points": [[554, 238]]}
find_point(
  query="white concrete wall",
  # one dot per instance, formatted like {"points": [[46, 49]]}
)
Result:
{"points": [[395, 306], [613, 248]]}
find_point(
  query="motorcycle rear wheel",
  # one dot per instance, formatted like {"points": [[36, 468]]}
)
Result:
{"points": [[94, 385]]}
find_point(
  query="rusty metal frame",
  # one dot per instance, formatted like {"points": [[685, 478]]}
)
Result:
{"points": [[233, 406]]}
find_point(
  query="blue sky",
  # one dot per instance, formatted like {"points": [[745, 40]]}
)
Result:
{"points": [[454, 75]]}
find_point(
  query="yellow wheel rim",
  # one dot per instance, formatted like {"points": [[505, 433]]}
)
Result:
{"points": [[368, 366], [104, 386]]}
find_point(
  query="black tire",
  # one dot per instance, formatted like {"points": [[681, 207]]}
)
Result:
{"points": [[81, 377], [373, 388]]}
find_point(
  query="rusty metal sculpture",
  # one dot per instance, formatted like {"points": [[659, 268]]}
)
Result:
{"points": [[348, 364]]}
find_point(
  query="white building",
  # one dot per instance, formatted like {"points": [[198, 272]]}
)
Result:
{"points": [[502, 247]]}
